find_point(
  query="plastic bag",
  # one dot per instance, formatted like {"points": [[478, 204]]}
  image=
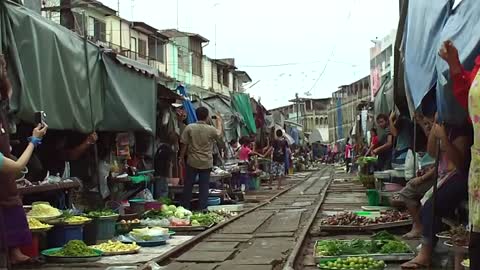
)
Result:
{"points": [[175, 222], [103, 172], [145, 194], [66, 171]]}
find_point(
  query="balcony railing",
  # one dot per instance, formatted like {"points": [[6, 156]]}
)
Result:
{"points": [[134, 55]]}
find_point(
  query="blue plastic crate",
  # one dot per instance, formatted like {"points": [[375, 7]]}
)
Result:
{"points": [[214, 201], [59, 235]]}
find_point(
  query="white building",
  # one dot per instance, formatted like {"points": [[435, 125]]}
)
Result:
{"points": [[381, 61]]}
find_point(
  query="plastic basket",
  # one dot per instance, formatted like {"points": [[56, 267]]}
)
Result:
{"points": [[373, 197], [254, 183], [100, 230], [137, 206], [214, 201], [59, 235]]}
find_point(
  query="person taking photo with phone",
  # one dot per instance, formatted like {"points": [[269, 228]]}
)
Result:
{"points": [[14, 231]]}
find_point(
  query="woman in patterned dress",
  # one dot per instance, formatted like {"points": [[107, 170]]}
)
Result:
{"points": [[466, 89]]}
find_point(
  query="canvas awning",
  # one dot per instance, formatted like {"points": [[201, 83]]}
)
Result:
{"points": [[316, 136], [241, 104], [73, 81]]}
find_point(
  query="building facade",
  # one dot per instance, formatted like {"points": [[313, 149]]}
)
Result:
{"points": [[312, 114], [176, 55], [345, 110], [381, 61]]}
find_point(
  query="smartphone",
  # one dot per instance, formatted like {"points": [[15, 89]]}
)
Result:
{"points": [[40, 118]]}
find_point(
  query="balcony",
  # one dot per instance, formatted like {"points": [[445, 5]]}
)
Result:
{"points": [[135, 56]]}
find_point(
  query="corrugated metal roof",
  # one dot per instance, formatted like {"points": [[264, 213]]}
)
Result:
{"points": [[171, 33], [140, 67]]}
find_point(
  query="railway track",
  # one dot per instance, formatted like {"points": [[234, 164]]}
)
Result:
{"points": [[260, 238], [342, 194]]}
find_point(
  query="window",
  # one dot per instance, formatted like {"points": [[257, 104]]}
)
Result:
{"points": [[183, 60], [317, 121], [133, 48], [219, 74], [226, 79], [97, 30], [156, 50], [142, 48], [197, 54]]}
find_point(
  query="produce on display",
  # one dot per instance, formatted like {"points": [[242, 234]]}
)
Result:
{"points": [[353, 263], [101, 213], [76, 220], [380, 243], [383, 235], [394, 247], [352, 219], [35, 224], [43, 210], [74, 248], [150, 222], [207, 219], [134, 221], [148, 234], [172, 216], [116, 247], [225, 213], [460, 236], [173, 211], [359, 247]]}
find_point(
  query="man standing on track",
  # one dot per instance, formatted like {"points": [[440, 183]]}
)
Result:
{"points": [[197, 145], [279, 156]]}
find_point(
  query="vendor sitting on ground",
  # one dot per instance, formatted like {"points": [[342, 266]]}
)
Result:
{"points": [[454, 160], [417, 186], [385, 144]]}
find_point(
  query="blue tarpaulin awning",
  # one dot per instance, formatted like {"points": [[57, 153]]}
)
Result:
{"points": [[187, 104], [428, 25]]}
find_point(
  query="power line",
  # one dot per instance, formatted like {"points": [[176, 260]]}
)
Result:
{"points": [[295, 64], [331, 55]]}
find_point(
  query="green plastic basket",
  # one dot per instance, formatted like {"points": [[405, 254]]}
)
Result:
{"points": [[373, 197]]}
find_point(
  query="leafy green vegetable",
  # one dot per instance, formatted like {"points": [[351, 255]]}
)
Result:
{"points": [[165, 201], [155, 214], [206, 219], [394, 247], [100, 213], [383, 235], [359, 247], [74, 248]]}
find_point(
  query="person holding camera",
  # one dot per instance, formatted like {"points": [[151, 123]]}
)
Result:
{"points": [[14, 231], [197, 146]]}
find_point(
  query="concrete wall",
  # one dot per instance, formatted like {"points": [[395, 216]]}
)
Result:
{"points": [[207, 73]]}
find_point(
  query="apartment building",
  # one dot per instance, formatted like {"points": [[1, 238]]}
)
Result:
{"points": [[345, 110], [176, 56]]}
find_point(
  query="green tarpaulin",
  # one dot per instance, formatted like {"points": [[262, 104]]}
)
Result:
{"points": [[241, 103], [130, 99], [47, 66]]}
